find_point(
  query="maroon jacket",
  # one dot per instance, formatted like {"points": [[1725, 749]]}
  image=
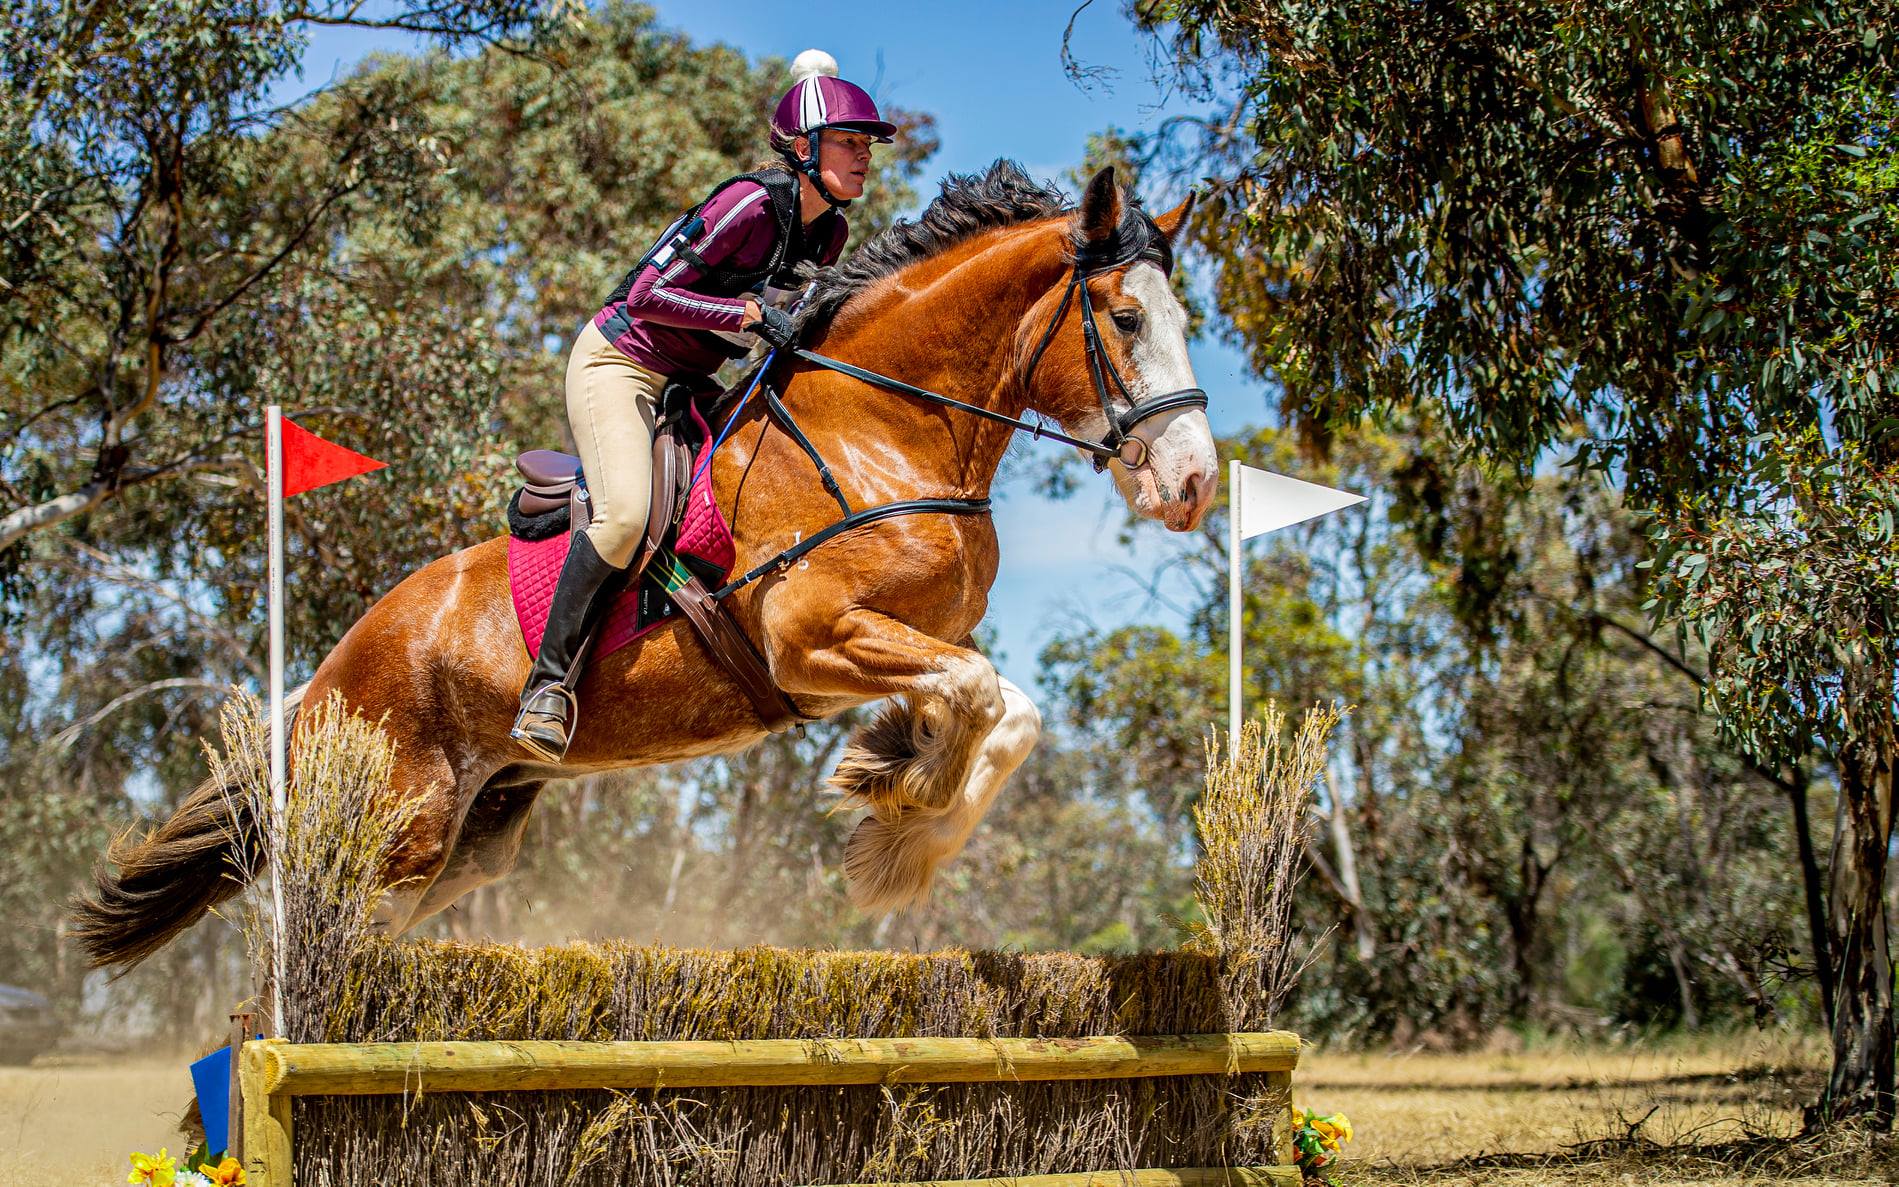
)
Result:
{"points": [[670, 327]]}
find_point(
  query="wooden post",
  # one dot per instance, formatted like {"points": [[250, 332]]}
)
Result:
{"points": [[1280, 1085], [241, 1032], [267, 1137]]}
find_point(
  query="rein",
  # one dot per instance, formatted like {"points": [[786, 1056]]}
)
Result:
{"points": [[1119, 443]]}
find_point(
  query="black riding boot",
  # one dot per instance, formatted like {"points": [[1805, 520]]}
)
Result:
{"points": [[550, 712]]}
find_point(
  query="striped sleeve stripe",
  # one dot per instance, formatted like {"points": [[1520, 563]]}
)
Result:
{"points": [[678, 297], [745, 202], [674, 296]]}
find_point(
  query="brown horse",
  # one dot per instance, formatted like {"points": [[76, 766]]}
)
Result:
{"points": [[959, 302]]}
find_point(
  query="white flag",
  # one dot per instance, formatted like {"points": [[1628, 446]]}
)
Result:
{"points": [[1268, 501]]}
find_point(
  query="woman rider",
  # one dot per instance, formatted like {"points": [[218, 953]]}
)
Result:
{"points": [[671, 322]]}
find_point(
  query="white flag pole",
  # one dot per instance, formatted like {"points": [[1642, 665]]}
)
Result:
{"points": [[1234, 538], [274, 523]]}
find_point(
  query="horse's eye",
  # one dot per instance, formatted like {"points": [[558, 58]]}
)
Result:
{"points": [[1128, 321]]}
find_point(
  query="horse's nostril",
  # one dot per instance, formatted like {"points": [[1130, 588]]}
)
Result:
{"points": [[1190, 489]]}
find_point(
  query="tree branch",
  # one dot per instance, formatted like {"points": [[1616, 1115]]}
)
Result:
{"points": [[64, 738]]}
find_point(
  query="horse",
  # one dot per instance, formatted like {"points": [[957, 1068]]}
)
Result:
{"points": [[974, 297]]}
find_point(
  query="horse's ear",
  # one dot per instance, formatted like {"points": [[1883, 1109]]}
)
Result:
{"points": [[1171, 222], [1101, 207]]}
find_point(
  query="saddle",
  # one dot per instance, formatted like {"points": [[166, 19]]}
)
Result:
{"points": [[693, 540]]}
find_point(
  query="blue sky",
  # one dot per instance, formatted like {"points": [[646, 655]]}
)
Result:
{"points": [[991, 73]]}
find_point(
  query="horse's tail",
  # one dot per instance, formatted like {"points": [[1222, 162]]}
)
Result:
{"points": [[205, 853]]}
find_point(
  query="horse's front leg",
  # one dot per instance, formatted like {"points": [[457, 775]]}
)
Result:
{"points": [[933, 759]]}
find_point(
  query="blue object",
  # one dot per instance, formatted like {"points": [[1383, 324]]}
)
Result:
{"points": [[732, 421], [211, 1079]]}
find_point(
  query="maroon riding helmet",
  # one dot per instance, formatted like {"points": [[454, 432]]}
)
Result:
{"points": [[819, 99]]}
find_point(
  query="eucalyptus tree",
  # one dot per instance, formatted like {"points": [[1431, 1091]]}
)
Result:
{"points": [[398, 255], [1652, 238]]}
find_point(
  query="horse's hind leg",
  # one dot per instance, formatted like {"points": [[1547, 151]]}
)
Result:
{"points": [[487, 846], [424, 779]]}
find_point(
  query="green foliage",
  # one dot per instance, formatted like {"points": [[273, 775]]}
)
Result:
{"points": [[1655, 241], [1551, 220], [398, 259], [1796, 599]]}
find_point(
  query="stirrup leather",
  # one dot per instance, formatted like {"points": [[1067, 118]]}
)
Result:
{"points": [[545, 724]]}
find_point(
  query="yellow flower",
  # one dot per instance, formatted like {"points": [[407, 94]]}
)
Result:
{"points": [[160, 1170], [229, 1173], [1345, 1127], [1298, 1117]]}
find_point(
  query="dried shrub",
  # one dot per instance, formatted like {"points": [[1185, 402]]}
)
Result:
{"points": [[326, 854], [346, 983], [1252, 823]]}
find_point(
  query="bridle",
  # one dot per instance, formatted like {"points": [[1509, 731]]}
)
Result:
{"points": [[1120, 443], [1135, 240]]}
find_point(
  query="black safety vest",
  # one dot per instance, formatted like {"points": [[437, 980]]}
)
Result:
{"points": [[792, 244]]}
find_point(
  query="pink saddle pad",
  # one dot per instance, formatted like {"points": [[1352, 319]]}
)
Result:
{"points": [[534, 568]]}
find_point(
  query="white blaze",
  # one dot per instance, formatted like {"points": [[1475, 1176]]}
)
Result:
{"points": [[1180, 443]]}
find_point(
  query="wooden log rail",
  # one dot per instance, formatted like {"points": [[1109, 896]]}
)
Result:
{"points": [[273, 1072]]}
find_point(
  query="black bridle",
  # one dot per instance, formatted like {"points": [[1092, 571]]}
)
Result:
{"points": [[1101, 369], [1120, 443], [1146, 243]]}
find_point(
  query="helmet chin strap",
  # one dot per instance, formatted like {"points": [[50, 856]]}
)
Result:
{"points": [[808, 165]]}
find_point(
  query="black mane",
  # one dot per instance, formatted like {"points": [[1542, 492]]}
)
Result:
{"points": [[969, 203]]}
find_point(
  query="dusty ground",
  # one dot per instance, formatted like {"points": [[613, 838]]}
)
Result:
{"points": [[84, 1117], [1416, 1116]]}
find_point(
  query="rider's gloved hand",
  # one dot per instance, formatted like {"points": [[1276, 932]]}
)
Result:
{"points": [[774, 326]]}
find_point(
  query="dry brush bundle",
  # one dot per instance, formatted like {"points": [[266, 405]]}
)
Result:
{"points": [[346, 983], [327, 853], [735, 1136], [1252, 826]]}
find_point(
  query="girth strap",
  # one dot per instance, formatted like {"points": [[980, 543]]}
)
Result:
{"points": [[735, 654]]}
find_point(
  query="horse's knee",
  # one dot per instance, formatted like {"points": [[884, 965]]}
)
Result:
{"points": [[970, 690]]}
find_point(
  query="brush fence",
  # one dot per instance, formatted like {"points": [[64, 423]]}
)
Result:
{"points": [[274, 1073]]}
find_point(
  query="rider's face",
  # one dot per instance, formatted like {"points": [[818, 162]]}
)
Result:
{"points": [[844, 160]]}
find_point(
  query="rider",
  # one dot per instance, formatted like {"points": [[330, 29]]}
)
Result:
{"points": [[691, 304]]}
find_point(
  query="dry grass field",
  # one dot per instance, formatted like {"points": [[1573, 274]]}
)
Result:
{"points": [[1424, 1118], [1566, 1114], [81, 1118]]}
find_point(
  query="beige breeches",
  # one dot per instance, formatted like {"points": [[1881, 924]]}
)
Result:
{"points": [[612, 405]]}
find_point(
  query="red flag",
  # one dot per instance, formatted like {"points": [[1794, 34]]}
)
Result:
{"points": [[310, 461]]}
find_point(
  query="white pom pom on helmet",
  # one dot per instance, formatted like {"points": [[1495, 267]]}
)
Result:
{"points": [[812, 63]]}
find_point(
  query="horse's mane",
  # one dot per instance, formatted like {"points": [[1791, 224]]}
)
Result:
{"points": [[969, 203]]}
